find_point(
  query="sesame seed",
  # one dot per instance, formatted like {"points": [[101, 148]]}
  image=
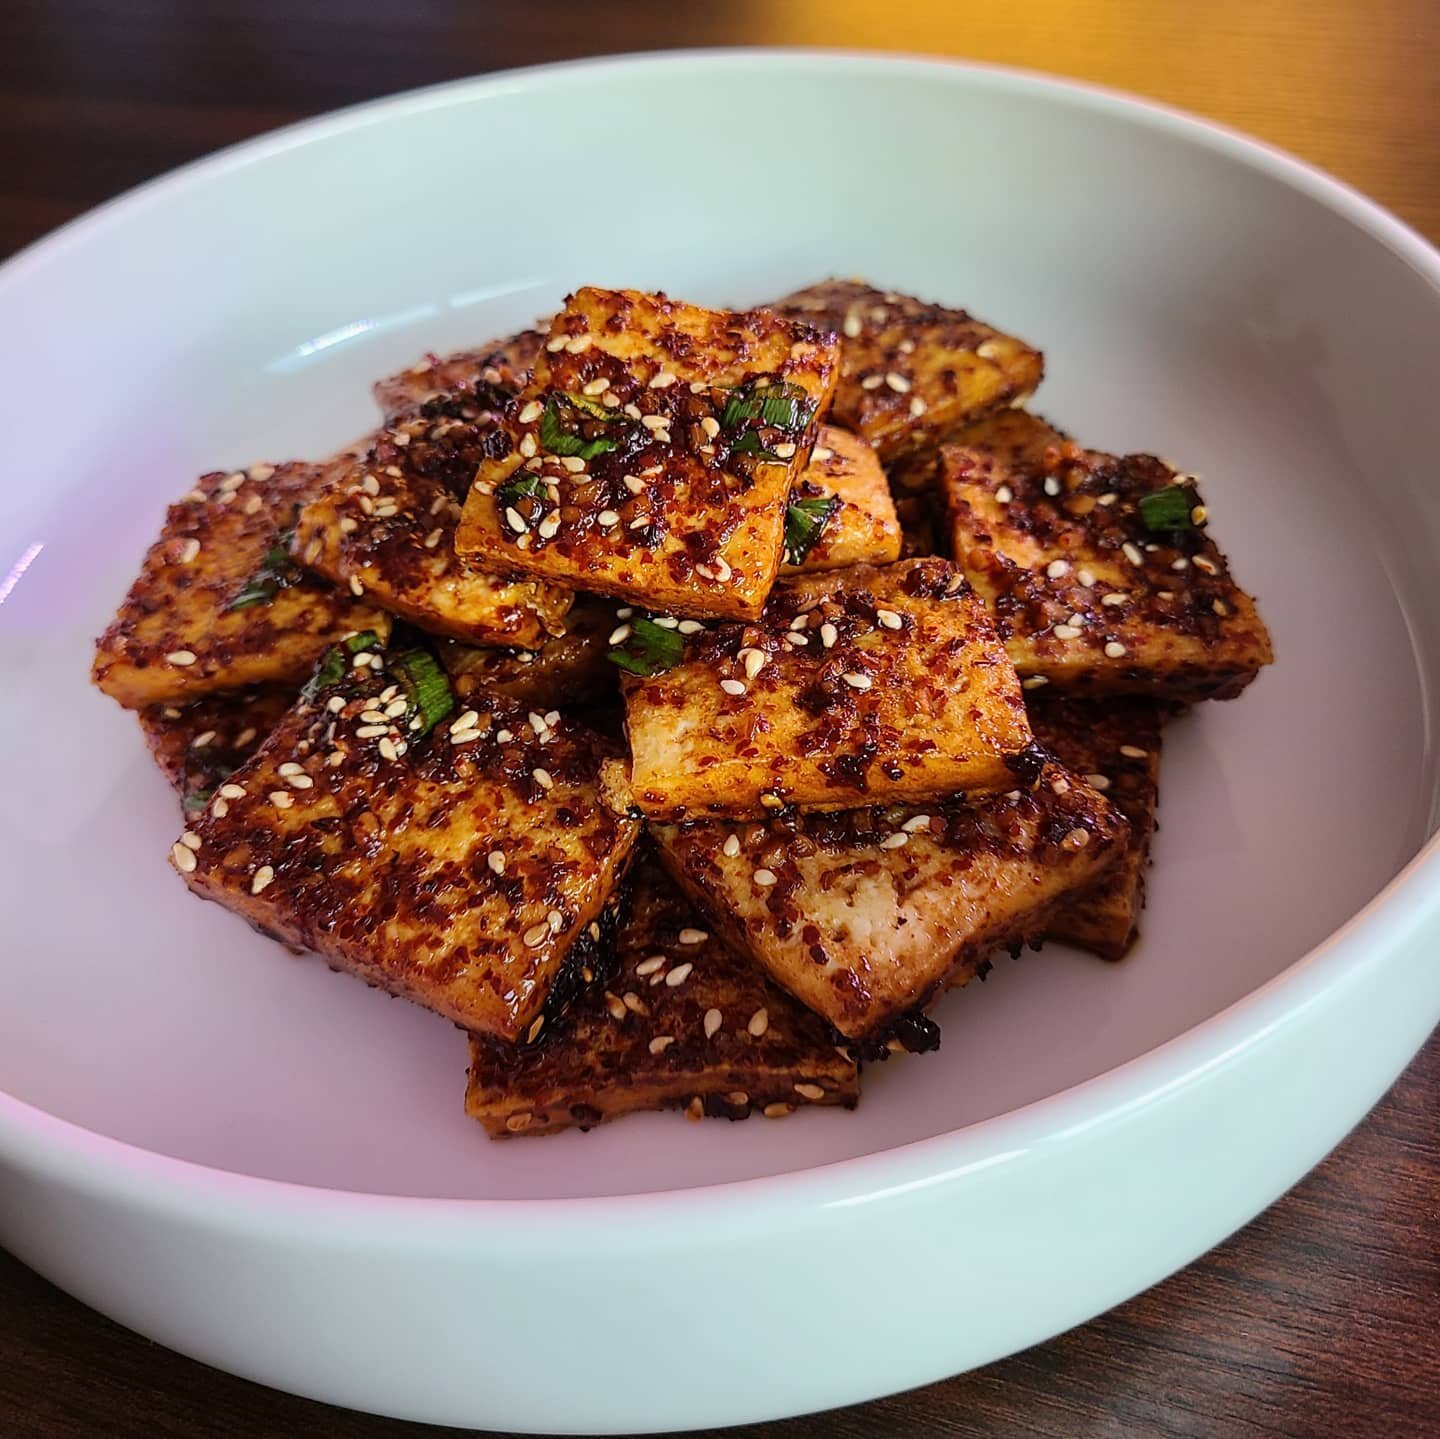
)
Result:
{"points": [[595, 387], [542, 778], [1220, 607], [857, 681], [1133, 751], [649, 966], [517, 1123], [253, 505], [731, 847], [180, 658], [612, 1003], [1061, 785], [1132, 553], [231, 483], [663, 380], [573, 463], [549, 526], [710, 425], [759, 1023], [916, 823], [654, 422], [503, 736], [772, 801], [1199, 515], [872, 382], [633, 411], [786, 449], [1180, 563], [201, 740], [372, 731], [182, 858], [607, 520], [917, 407], [828, 634], [262, 878], [821, 453], [661, 1043], [189, 550], [1114, 650], [619, 634], [1205, 566], [1066, 632], [889, 619], [694, 936], [733, 687], [531, 412], [809, 1091], [898, 840], [1004, 494], [852, 324], [281, 799], [496, 860], [536, 935], [778, 1110], [370, 484], [1034, 682], [1098, 781], [190, 839], [558, 343], [678, 975], [764, 878], [300, 781], [220, 808], [1052, 485], [232, 791], [1076, 839], [738, 1096], [388, 749], [579, 344], [754, 662], [1107, 499], [263, 472], [1113, 598], [713, 1020], [635, 1004], [898, 383], [514, 520], [1057, 569], [1086, 577], [689, 627]]}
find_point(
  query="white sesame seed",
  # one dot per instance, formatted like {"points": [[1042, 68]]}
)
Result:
{"points": [[1220, 607], [917, 407], [1066, 632], [786, 449], [1057, 569], [370, 484], [764, 878], [852, 324], [388, 749], [1132, 553], [1208, 567], [821, 453], [1076, 839], [232, 791], [810, 1091], [557, 343], [579, 344], [635, 1004], [857, 681], [607, 520], [619, 635], [261, 879], [713, 1020], [595, 387], [632, 410], [528, 446], [220, 808], [531, 412], [189, 550], [799, 622], [1098, 781], [300, 781], [662, 380], [710, 425], [759, 1023], [898, 383], [1052, 485], [503, 736], [1113, 598], [182, 858], [1114, 650], [754, 662], [872, 382], [1086, 577], [549, 527], [542, 778], [1133, 751], [496, 860], [689, 627], [733, 687], [731, 847], [1034, 682], [678, 975], [372, 731], [889, 619], [1061, 785], [536, 935], [828, 634], [1004, 494], [613, 1004], [573, 463], [190, 839], [201, 740], [180, 658], [661, 1043], [1181, 563], [916, 823], [514, 520], [648, 966], [654, 422], [777, 1110], [281, 799], [898, 840]]}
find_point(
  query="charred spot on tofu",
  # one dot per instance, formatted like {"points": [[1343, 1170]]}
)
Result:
{"points": [[652, 452], [1100, 570], [869, 914], [912, 371], [840, 512], [1115, 745], [449, 854], [199, 745], [858, 686], [681, 1020], [384, 527], [485, 377], [218, 604]]}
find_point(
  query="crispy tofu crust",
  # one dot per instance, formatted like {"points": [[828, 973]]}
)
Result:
{"points": [[678, 1021], [868, 915], [453, 869], [384, 526], [1115, 745], [567, 670], [862, 529], [504, 363], [911, 371], [1085, 595], [185, 630], [203, 743], [858, 686], [672, 513]]}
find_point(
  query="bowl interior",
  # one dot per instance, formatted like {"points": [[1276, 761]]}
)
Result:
{"points": [[1191, 300]]}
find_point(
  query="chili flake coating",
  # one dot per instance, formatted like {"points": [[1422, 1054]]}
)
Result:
{"points": [[453, 868], [504, 363], [678, 1021], [566, 670], [201, 744], [860, 528], [385, 528], [652, 453], [859, 686], [867, 915], [1115, 745], [218, 605], [1088, 595], [911, 372]]}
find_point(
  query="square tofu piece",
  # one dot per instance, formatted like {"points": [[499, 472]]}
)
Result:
{"points": [[453, 867], [219, 604], [384, 527], [859, 686], [869, 915], [840, 510], [199, 745], [911, 372], [1100, 571], [502, 365], [653, 452], [565, 671], [1115, 745], [675, 1020]]}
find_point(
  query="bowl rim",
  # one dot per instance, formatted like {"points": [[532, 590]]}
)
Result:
{"points": [[1357, 950]]}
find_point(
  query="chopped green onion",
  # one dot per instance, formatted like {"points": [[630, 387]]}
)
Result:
{"points": [[805, 522], [333, 666], [782, 404], [750, 444], [649, 649], [427, 688], [577, 425], [523, 487], [277, 572], [1167, 509]]}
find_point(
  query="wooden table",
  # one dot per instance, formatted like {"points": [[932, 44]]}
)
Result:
{"points": [[1321, 1317]]}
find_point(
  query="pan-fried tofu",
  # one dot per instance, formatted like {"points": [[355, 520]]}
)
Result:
{"points": [[675, 1021], [454, 867], [201, 744], [859, 686], [1100, 571], [218, 604], [1115, 745], [567, 670], [911, 371], [868, 915], [840, 510], [653, 452], [491, 372], [384, 527]]}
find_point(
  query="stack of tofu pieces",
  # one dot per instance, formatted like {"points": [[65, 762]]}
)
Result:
{"points": [[680, 701]]}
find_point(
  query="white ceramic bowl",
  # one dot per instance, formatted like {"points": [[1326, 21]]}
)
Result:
{"points": [[267, 1167]]}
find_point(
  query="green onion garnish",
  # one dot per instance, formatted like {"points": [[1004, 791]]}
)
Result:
{"points": [[277, 572], [523, 487], [577, 425], [334, 666], [781, 404], [805, 522], [427, 688], [1168, 509], [650, 649], [750, 444]]}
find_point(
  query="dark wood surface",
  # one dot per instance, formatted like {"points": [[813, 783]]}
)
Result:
{"points": [[1322, 1317]]}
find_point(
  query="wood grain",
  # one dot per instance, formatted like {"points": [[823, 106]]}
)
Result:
{"points": [[1318, 1319]]}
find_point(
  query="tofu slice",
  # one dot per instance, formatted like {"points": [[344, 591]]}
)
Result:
{"points": [[840, 510], [1115, 745], [869, 915], [201, 744], [454, 868], [653, 452], [502, 364], [673, 1020], [218, 605], [859, 686], [565, 671], [384, 527], [911, 371], [1086, 595]]}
